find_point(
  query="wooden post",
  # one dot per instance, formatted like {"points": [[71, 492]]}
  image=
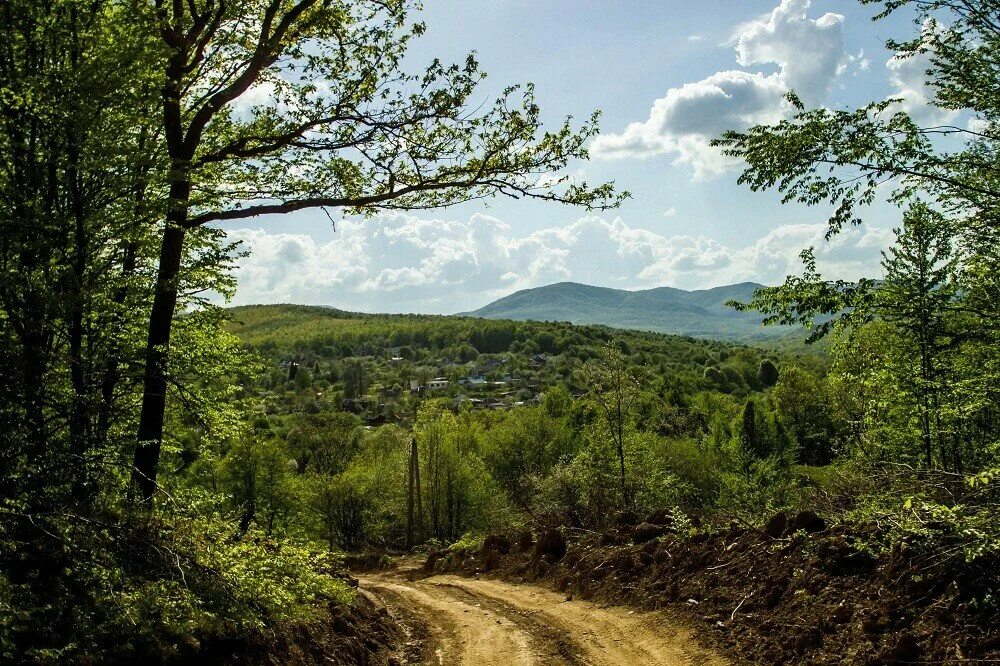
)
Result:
{"points": [[420, 502], [411, 480]]}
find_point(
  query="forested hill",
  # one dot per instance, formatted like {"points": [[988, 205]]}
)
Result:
{"points": [[329, 332], [366, 363], [701, 313]]}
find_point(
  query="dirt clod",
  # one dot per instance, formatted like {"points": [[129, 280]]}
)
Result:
{"points": [[777, 525], [551, 546], [647, 532]]}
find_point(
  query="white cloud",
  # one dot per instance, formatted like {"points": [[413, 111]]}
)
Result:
{"points": [[670, 212], [403, 263], [687, 118], [861, 63], [907, 76], [809, 54]]}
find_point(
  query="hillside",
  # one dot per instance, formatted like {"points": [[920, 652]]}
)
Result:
{"points": [[300, 330], [701, 313]]}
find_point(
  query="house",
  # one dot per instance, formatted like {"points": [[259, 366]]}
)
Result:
{"points": [[438, 384], [414, 385], [396, 360], [489, 365], [473, 380], [538, 360], [477, 403]]}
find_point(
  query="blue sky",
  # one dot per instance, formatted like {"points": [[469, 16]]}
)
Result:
{"points": [[667, 76]]}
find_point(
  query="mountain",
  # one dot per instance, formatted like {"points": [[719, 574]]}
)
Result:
{"points": [[702, 313]]}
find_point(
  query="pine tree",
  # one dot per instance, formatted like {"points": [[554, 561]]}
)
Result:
{"points": [[917, 296]]}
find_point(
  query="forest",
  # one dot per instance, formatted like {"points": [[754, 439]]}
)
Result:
{"points": [[701, 424], [182, 480]]}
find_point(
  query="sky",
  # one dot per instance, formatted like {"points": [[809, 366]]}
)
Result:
{"points": [[668, 75]]}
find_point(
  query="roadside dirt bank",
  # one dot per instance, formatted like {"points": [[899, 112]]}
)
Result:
{"points": [[799, 591]]}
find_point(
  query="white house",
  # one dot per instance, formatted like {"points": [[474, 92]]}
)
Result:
{"points": [[437, 384]]}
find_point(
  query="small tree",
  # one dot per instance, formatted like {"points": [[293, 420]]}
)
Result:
{"points": [[767, 373], [918, 296], [341, 506], [616, 387], [803, 404], [256, 476]]}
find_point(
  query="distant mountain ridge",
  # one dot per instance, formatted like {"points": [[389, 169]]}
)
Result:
{"points": [[702, 313]]}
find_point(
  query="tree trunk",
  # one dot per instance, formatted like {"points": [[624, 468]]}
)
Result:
{"points": [[111, 375], [956, 447], [620, 437], [154, 388], [925, 420], [35, 343], [79, 421], [249, 513]]}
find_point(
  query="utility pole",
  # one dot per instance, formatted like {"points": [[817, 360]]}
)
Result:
{"points": [[419, 495], [411, 480]]}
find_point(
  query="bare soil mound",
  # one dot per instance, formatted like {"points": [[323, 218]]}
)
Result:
{"points": [[797, 591]]}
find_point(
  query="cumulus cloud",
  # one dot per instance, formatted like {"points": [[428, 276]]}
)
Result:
{"points": [[908, 78], [809, 54], [405, 263]]}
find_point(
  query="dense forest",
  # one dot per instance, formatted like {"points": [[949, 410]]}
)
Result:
{"points": [[180, 480]]}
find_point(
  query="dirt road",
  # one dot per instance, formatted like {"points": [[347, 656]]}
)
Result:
{"points": [[455, 620]]}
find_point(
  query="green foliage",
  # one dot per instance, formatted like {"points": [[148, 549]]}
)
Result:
{"points": [[273, 437], [156, 588], [459, 494], [767, 373], [927, 397], [804, 408], [255, 475], [951, 529]]}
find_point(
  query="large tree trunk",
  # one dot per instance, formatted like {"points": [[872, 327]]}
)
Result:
{"points": [[154, 388], [35, 343]]}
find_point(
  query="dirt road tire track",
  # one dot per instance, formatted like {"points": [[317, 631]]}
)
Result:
{"points": [[489, 622]]}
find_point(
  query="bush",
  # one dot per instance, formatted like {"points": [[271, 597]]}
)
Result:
{"points": [[154, 589]]}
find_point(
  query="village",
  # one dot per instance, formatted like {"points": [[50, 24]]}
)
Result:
{"points": [[384, 385]]}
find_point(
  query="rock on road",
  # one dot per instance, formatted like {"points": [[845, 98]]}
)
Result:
{"points": [[455, 620]]}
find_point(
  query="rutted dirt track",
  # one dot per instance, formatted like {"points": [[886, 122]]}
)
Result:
{"points": [[455, 620]]}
